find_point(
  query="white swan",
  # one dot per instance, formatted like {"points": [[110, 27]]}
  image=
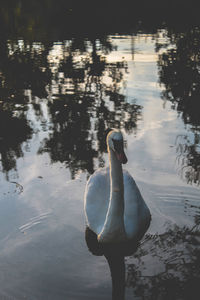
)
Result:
{"points": [[115, 210]]}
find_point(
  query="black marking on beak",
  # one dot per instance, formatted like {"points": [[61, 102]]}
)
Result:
{"points": [[119, 150]]}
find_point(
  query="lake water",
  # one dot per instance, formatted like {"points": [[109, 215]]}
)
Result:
{"points": [[56, 101]]}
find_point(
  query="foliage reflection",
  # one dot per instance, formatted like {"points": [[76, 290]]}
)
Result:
{"points": [[171, 268], [86, 100], [179, 68], [84, 97]]}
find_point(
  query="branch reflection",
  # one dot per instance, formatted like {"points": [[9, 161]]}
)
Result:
{"points": [[179, 72], [171, 269], [83, 92], [86, 99]]}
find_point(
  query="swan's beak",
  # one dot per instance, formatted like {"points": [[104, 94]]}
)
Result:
{"points": [[122, 157]]}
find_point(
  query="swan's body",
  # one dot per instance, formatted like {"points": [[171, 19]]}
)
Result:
{"points": [[136, 215], [114, 207]]}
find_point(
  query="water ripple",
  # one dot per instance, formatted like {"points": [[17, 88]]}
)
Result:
{"points": [[34, 221]]}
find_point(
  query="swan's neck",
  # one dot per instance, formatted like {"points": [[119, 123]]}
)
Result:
{"points": [[113, 229]]}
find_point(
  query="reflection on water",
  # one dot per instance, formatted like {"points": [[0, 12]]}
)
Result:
{"points": [[84, 93], [115, 260], [85, 96], [56, 101], [179, 72], [188, 158], [174, 257], [13, 132], [86, 100]]}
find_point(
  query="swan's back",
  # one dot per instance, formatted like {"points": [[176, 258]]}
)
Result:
{"points": [[136, 213], [97, 195], [96, 199]]}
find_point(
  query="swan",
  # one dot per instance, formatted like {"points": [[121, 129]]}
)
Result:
{"points": [[116, 213]]}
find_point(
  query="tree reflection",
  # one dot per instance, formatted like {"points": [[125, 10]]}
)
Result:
{"points": [[179, 69], [22, 68], [86, 101], [172, 265], [84, 98], [189, 157], [13, 132]]}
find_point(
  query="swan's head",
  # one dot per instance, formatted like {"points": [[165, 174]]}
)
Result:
{"points": [[115, 142]]}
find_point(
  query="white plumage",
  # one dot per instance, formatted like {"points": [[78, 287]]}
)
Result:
{"points": [[114, 207]]}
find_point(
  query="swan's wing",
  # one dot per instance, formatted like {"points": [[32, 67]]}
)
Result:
{"points": [[96, 199], [136, 215]]}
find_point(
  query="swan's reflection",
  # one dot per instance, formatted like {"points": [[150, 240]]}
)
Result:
{"points": [[114, 254], [174, 273]]}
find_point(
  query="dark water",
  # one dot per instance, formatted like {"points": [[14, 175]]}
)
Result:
{"points": [[57, 98]]}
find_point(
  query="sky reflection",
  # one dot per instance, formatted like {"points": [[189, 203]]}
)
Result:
{"points": [[84, 87]]}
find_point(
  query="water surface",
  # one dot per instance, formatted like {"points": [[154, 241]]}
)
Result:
{"points": [[57, 100]]}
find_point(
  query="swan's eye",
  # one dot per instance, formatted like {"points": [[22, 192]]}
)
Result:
{"points": [[118, 145]]}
